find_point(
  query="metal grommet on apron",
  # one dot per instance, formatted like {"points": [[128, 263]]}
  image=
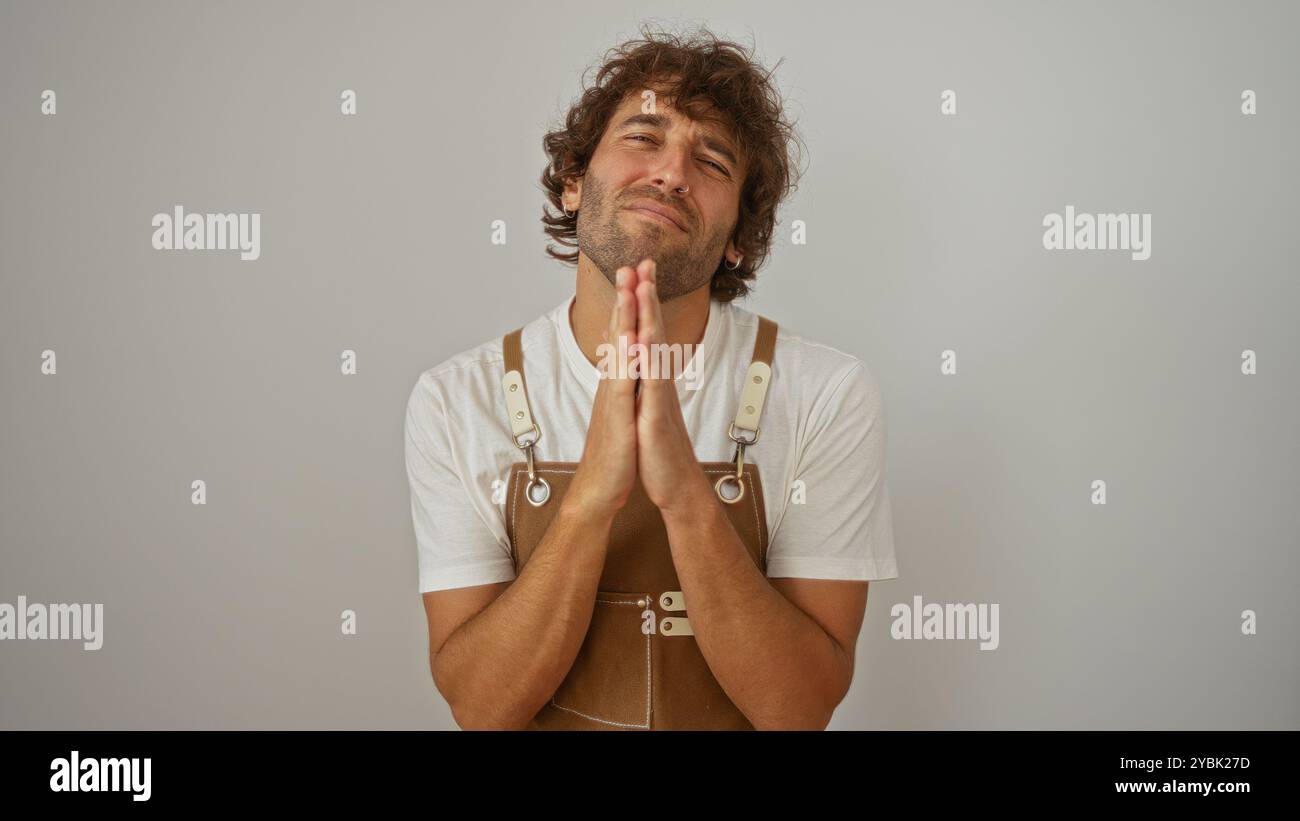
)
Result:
{"points": [[537, 498], [639, 667]]}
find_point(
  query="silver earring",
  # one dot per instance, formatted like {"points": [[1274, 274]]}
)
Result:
{"points": [[566, 210], [734, 267]]}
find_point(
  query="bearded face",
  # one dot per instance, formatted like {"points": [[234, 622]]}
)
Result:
{"points": [[632, 205]]}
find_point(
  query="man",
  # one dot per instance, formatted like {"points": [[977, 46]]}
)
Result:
{"points": [[690, 565]]}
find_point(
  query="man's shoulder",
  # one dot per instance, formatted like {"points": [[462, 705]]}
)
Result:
{"points": [[808, 358], [470, 373]]}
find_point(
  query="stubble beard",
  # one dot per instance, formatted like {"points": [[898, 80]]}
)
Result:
{"points": [[681, 265]]}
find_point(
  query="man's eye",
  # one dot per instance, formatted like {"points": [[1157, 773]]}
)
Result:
{"points": [[719, 166]]}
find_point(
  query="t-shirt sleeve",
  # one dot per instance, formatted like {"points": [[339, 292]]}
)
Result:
{"points": [[456, 547], [837, 522]]}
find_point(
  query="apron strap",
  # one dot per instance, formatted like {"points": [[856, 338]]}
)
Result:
{"points": [[748, 412], [757, 378], [521, 415]]}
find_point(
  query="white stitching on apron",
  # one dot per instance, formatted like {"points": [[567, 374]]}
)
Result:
{"points": [[753, 501], [514, 511], [648, 679]]}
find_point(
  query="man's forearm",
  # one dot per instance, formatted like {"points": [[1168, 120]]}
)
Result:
{"points": [[500, 667], [778, 665]]}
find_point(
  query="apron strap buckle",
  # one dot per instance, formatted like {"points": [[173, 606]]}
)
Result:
{"points": [[731, 434], [535, 499], [526, 445]]}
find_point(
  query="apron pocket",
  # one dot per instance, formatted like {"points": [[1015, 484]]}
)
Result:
{"points": [[609, 682]]}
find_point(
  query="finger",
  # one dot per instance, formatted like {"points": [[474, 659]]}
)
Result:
{"points": [[610, 334], [628, 307], [606, 352], [611, 327], [612, 331], [649, 324], [645, 272], [625, 334], [648, 304], [644, 330], [650, 327]]}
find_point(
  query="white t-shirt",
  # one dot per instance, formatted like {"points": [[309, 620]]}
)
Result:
{"points": [[820, 453]]}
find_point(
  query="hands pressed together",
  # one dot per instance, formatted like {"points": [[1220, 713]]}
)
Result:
{"points": [[638, 433]]}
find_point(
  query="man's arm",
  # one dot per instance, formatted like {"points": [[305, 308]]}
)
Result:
{"points": [[782, 649], [498, 652]]}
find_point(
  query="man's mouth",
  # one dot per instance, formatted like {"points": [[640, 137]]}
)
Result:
{"points": [[660, 213]]}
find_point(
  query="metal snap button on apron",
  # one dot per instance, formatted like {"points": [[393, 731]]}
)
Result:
{"points": [[672, 600], [676, 626]]}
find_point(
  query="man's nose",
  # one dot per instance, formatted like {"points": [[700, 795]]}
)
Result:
{"points": [[672, 170]]}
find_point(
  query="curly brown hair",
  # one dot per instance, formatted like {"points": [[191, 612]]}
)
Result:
{"points": [[709, 80]]}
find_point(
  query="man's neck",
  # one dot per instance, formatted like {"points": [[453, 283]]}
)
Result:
{"points": [[685, 318]]}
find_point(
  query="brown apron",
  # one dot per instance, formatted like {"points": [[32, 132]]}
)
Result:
{"points": [[639, 667]]}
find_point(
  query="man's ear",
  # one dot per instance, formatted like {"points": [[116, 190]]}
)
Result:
{"points": [[572, 197]]}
